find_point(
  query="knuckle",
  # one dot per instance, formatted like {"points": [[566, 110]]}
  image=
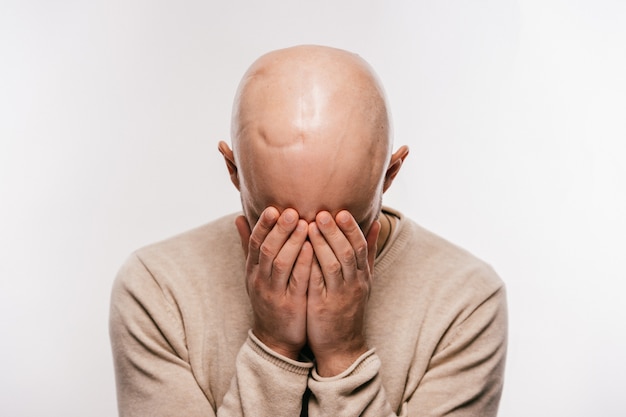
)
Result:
{"points": [[361, 250], [347, 256], [261, 229], [285, 228], [334, 268], [317, 277], [334, 233], [280, 266], [266, 250], [255, 242]]}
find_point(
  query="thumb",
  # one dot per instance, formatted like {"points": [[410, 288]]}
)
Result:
{"points": [[243, 228]]}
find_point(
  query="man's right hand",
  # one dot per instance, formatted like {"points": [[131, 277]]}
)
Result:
{"points": [[278, 266]]}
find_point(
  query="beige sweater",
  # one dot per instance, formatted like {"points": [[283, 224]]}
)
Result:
{"points": [[180, 320]]}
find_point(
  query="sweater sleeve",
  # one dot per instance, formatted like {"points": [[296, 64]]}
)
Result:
{"points": [[357, 391], [464, 379], [265, 383], [153, 373]]}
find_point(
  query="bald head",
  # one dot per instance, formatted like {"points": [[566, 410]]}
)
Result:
{"points": [[311, 131], [309, 89]]}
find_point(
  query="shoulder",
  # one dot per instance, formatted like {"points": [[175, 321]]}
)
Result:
{"points": [[441, 289], [436, 264], [179, 260], [199, 247], [219, 234]]}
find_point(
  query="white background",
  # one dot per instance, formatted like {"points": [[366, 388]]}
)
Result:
{"points": [[515, 113]]}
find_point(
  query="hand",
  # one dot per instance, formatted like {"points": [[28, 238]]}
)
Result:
{"points": [[278, 267], [339, 288]]}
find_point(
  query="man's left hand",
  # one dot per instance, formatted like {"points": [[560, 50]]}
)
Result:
{"points": [[339, 288]]}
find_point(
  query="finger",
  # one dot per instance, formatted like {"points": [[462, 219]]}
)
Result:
{"points": [[287, 256], [264, 225], [372, 242], [339, 243], [275, 240], [331, 268], [316, 280], [301, 273], [351, 230], [243, 228]]}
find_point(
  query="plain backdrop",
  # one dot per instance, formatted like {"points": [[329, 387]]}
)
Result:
{"points": [[514, 111]]}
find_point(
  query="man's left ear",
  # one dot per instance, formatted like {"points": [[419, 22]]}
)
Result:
{"points": [[229, 158], [394, 166]]}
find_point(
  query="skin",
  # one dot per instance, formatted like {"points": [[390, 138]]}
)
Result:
{"points": [[311, 158]]}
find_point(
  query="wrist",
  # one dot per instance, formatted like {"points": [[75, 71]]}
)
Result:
{"points": [[287, 350], [333, 363]]}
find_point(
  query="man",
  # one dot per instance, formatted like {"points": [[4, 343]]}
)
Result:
{"points": [[336, 306]]}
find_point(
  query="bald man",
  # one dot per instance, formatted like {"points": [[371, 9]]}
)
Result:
{"points": [[317, 300]]}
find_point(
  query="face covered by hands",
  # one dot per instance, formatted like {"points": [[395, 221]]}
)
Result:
{"points": [[309, 283]]}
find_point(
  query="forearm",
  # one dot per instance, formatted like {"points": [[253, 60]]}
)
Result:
{"points": [[265, 383]]}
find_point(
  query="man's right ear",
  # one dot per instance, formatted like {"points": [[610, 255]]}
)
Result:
{"points": [[229, 158]]}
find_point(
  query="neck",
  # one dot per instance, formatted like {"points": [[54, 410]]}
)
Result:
{"points": [[384, 234]]}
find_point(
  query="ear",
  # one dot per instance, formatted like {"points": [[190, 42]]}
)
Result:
{"points": [[394, 166], [229, 158]]}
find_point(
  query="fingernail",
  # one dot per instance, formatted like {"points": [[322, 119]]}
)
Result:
{"points": [[301, 226], [324, 218], [270, 215], [343, 217], [289, 217]]}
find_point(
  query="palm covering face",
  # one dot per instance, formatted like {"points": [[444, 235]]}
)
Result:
{"points": [[309, 283]]}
